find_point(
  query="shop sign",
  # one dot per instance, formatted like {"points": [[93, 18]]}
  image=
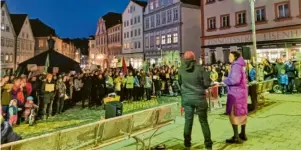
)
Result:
{"points": [[269, 36]]}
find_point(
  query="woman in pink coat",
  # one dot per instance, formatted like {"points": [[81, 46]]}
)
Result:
{"points": [[237, 97]]}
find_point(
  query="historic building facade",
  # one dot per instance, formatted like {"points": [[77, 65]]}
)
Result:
{"points": [[25, 39], [106, 38], [278, 25], [7, 41], [170, 28], [132, 18]]}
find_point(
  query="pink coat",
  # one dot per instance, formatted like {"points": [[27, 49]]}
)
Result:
{"points": [[236, 82]]}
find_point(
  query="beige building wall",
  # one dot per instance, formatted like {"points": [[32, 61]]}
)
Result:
{"points": [[271, 29], [115, 40], [25, 42], [7, 41]]}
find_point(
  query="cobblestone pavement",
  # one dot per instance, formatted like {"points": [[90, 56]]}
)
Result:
{"points": [[276, 126]]}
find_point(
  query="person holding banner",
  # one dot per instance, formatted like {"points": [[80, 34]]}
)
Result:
{"points": [[194, 83], [48, 91]]}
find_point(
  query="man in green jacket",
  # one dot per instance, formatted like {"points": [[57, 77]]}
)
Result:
{"points": [[279, 66], [194, 82]]}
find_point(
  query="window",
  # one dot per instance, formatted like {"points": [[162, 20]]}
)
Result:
{"points": [[2, 57], [128, 35], [175, 38], [169, 39], [210, 1], [135, 45], [175, 14], [211, 23], [6, 57], [169, 17], [139, 32], [225, 21], [163, 40], [2, 41], [135, 20], [146, 42], [283, 10], [151, 41], [23, 34], [135, 32], [92, 45], [158, 40], [157, 3], [41, 43], [131, 21], [158, 19], [151, 5], [163, 15], [153, 21], [124, 24], [27, 35], [260, 14], [11, 58], [146, 22], [241, 18], [7, 28], [138, 19], [127, 23], [131, 33], [124, 36], [2, 13], [139, 45], [3, 27]]}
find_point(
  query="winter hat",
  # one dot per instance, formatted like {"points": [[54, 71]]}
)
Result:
{"points": [[30, 98]]}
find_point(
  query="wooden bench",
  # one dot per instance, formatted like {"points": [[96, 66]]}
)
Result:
{"points": [[103, 133]]}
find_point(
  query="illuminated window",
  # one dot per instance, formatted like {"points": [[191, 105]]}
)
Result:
{"points": [[158, 40], [41, 44], [175, 38], [169, 39], [163, 40]]}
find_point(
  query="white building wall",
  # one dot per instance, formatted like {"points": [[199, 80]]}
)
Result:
{"points": [[127, 16], [25, 42], [7, 40]]}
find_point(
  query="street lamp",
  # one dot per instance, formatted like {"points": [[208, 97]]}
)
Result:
{"points": [[160, 49], [252, 6]]}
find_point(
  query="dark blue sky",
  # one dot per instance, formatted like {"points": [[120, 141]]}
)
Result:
{"points": [[70, 18]]}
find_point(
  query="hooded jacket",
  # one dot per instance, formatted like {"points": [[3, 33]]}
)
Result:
{"points": [[193, 82], [237, 97]]}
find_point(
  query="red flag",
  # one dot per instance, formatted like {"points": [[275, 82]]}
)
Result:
{"points": [[124, 66]]}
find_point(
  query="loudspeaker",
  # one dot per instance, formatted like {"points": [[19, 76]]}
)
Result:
{"points": [[246, 53], [113, 109]]}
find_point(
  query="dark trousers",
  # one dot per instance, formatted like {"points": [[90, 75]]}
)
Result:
{"points": [[284, 88], [87, 97], [129, 94], [148, 92], [291, 83], [60, 104], [201, 111], [136, 93], [49, 107]]}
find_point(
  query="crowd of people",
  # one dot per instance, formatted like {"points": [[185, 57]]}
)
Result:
{"points": [[51, 94]]}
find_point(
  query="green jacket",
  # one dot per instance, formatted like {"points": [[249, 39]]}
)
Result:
{"points": [[278, 68], [129, 82], [213, 76], [5, 96], [194, 81]]}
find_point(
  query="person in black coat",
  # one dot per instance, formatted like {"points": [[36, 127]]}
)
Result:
{"points": [[86, 91], [100, 88], [291, 72], [7, 133]]}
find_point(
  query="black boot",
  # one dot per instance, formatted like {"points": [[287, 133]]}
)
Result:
{"points": [[235, 139], [242, 134]]}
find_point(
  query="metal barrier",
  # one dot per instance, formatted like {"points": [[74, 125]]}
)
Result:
{"points": [[102, 133]]}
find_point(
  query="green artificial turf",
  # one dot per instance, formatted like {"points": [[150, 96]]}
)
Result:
{"points": [[77, 116]]}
